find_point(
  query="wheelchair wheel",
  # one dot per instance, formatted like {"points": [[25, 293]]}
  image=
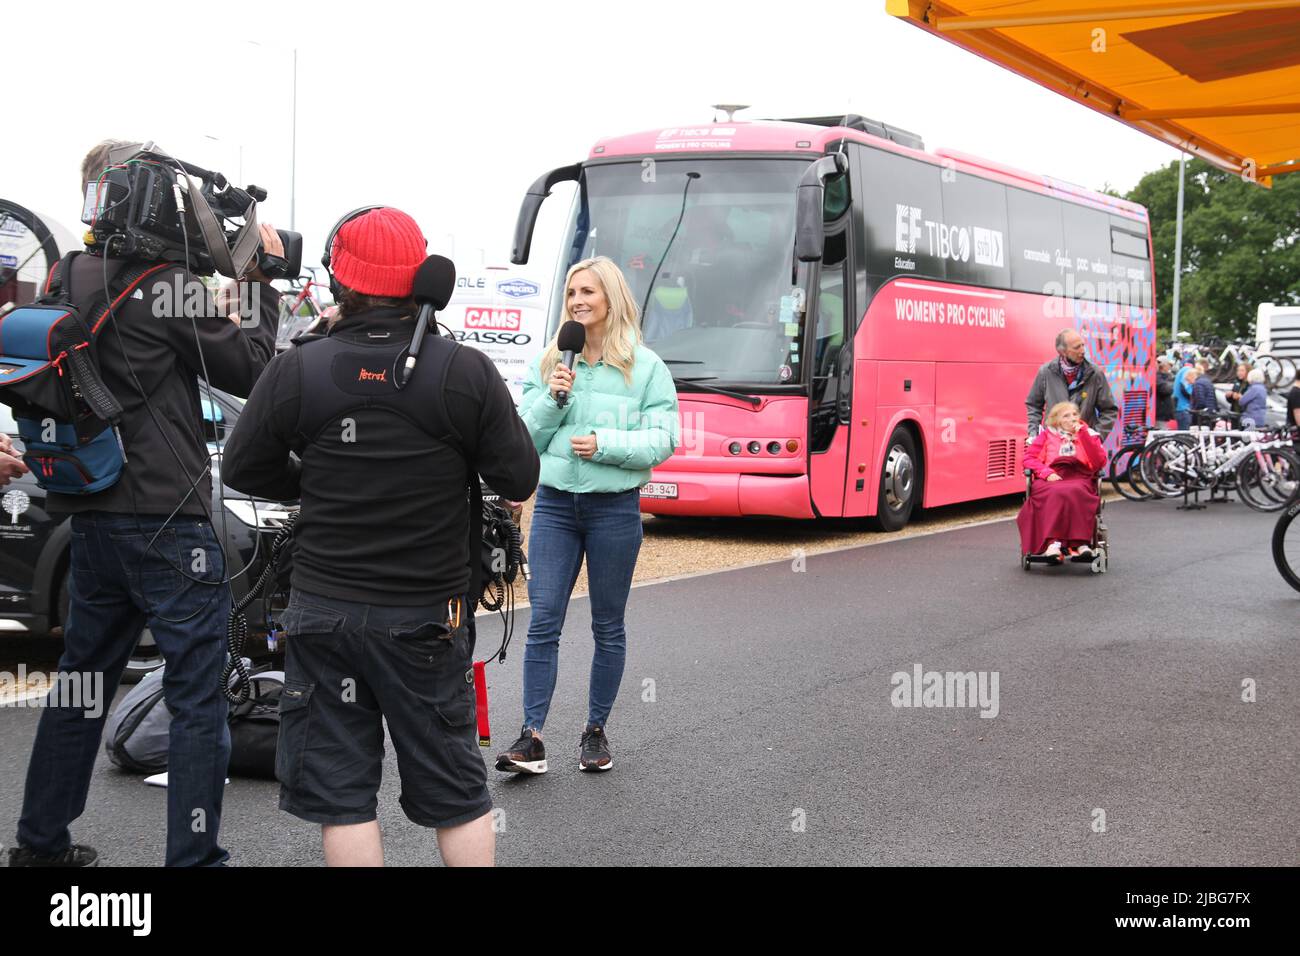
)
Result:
{"points": [[1024, 562]]}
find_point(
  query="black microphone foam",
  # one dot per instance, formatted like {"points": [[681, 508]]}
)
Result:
{"points": [[435, 281], [572, 337]]}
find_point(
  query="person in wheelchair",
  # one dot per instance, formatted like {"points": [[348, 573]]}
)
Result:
{"points": [[1060, 512]]}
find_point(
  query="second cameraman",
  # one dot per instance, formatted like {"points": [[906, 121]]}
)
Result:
{"points": [[379, 626]]}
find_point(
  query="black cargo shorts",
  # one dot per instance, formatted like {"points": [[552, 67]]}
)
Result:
{"points": [[349, 668]]}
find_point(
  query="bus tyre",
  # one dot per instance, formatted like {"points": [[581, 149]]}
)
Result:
{"points": [[900, 486]]}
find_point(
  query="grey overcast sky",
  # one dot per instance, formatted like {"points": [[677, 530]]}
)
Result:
{"points": [[449, 111]]}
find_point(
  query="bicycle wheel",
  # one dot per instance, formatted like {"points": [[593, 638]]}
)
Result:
{"points": [[1267, 481], [1272, 369], [1169, 466], [27, 254], [1288, 371], [1286, 545], [1120, 467]]}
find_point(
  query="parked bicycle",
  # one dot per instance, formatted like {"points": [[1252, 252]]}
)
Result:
{"points": [[1261, 467]]}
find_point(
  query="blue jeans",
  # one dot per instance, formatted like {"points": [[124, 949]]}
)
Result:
{"points": [[1184, 419], [118, 584], [606, 528]]}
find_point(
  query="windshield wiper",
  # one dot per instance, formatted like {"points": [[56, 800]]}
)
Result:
{"points": [[699, 383], [682, 362]]}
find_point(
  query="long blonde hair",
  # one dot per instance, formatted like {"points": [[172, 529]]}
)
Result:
{"points": [[622, 327]]}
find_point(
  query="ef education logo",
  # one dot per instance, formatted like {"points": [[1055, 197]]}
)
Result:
{"points": [[74, 909]]}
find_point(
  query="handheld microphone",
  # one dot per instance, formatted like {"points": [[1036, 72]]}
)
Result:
{"points": [[435, 281], [570, 341]]}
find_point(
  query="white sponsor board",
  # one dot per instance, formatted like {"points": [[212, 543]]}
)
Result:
{"points": [[502, 313]]}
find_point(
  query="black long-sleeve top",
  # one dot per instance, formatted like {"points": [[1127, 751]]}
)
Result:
{"points": [[152, 355], [385, 516]]}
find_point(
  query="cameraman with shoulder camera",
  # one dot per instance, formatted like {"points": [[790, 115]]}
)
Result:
{"points": [[380, 623], [143, 550]]}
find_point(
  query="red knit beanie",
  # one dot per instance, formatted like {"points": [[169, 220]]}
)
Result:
{"points": [[377, 253]]}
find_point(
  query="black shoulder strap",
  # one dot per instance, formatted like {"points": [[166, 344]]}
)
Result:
{"points": [[58, 282], [92, 310]]}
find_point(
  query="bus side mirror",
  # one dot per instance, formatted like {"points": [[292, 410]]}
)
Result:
{"points": [[809, 232], [532, 205]]}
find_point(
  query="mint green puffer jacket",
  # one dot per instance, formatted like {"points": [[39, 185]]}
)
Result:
{"points": [[636, 426]]}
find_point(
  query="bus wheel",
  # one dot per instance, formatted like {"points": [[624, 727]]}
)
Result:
{"points": [[899, 484]]}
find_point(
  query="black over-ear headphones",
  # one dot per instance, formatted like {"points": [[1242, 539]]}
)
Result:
{"points": [[329, 244]]}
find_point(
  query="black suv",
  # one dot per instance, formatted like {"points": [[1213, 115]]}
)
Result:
{"points": [[34, 545]]}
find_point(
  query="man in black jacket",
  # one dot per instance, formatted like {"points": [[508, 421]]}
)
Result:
{"points": [[380, 622], [144, 552]]}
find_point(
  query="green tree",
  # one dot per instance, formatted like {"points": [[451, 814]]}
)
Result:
{"points": [[1241, 246]]}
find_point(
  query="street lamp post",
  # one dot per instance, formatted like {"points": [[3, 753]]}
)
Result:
{"points": [[293, 148], [293, 153]]}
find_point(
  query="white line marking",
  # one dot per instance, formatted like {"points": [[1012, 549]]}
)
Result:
{"points": [[939, 288]]}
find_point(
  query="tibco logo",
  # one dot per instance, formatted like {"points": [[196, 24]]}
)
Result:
{"points": [[945, 241], [511, 320]]}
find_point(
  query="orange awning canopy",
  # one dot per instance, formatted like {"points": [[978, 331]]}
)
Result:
{"points": [[1217, 78]]}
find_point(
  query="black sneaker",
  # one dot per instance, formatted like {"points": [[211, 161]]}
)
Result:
{"points": [[594, 750], [526, 755], [75, 855]]}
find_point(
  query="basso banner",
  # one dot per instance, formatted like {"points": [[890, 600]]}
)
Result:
{"points": [[503, 315]]}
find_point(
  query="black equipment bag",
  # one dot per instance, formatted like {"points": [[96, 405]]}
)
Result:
{"points": [[255, 727], [138, 732]]}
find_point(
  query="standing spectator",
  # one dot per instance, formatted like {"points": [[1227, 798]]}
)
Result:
{"points": [[1164, 391], [1183, 395], [1239, 386], [1293, 403], [1254, 402], [1204, 397], [1070, 377]]}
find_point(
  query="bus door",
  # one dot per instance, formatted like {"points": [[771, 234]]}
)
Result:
{"points": [[830, 361]]}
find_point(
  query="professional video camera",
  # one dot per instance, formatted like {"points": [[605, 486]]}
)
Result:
{"points": [[149, 205]]}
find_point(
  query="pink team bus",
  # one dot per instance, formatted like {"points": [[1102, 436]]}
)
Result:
{"points": [[853, 323]]}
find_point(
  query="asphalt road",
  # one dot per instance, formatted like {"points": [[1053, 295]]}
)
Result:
{"points": [[767, 734]]}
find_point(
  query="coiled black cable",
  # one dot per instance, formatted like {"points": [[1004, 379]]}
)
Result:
{"points": [[237, 627]]}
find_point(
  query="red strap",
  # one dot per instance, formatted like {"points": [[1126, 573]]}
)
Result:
{"points": [[481, 704], [94, 329]]}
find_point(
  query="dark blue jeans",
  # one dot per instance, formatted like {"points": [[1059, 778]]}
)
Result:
{"points": [[606, 528], [118, 584]]}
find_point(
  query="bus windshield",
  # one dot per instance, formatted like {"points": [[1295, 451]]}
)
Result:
{"points": [[717, 236]]}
